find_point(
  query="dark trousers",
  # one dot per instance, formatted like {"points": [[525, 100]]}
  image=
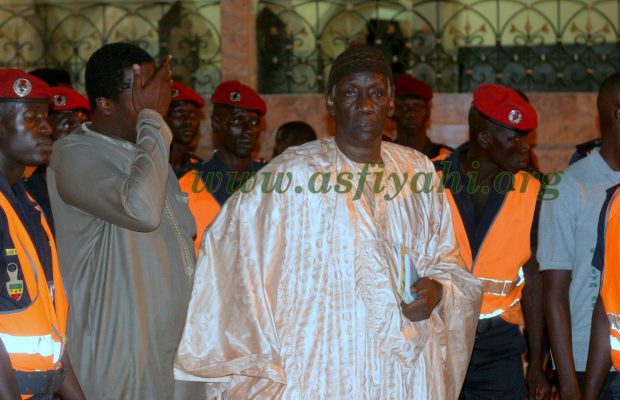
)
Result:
{"points": [[611, 389], [496, 368]]}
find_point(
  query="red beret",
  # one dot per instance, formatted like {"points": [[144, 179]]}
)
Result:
{"points": [[67, 99], [180, 92], [407, 85], [505, 107], [17, 85], [236, 94]]}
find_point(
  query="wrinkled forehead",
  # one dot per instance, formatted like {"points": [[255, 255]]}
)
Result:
{"points": [[369, 78]]}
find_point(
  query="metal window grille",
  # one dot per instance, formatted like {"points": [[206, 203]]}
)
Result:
{"points": [[63, 34], [535, 45]]}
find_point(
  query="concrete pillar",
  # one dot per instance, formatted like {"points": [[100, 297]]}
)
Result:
{"points": [[238, 38]]}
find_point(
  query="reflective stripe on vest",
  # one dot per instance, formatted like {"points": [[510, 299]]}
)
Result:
{"points": [[44, 345], [610, 288], [614, 326], [504, 250], [615, 344], [501, 288], [614, 338], [201, 203], [34, 336]]}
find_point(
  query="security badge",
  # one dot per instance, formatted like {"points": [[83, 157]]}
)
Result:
{"points": [[60, 100], [22, 87], [235, 97], [515, 117], [14, 286]]}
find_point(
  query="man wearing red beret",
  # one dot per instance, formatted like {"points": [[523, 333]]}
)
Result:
{"points": [[33, 302], [236, 119], [183, 118], [68, 109], [412, 116], [494, 204]]}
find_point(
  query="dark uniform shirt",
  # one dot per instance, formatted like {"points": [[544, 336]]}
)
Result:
{"points": [[583, 150], [477, 226], [188, 163], [222, 182], [36, 186], [432, 149], [9, 262], [495, 364]]}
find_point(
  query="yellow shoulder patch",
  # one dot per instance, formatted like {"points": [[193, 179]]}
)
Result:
{"points": [[10, 252]]}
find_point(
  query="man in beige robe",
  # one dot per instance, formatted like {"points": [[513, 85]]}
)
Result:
{"points": [[296, 289]]}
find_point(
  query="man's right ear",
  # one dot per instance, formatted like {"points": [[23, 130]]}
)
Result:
{"points": [[104, 105], [330, 104]]}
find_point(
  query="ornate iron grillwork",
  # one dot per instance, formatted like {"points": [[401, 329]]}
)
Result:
{"points": [[533, 45], [64, 34]]}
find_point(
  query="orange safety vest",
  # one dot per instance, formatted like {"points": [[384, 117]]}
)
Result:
{"points": [[610, 287], [201, 203], [34, 337], [504, 250]]}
